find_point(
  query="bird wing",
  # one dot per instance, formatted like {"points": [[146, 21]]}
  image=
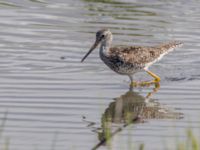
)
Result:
{"points": [[134, 54], [142, 54]]}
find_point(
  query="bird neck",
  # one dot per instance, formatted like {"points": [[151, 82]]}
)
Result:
{"points": [[104, 48]]}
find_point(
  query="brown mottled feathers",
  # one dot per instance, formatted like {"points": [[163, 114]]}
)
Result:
{"points": [[142, 54]]}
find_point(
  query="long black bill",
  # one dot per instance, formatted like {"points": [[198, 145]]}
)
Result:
{"points": [[91, 49]]}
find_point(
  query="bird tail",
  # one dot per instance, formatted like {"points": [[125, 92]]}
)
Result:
{"points": [[171, 45]]}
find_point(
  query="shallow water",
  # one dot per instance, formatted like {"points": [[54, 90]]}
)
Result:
{"points": [[52, 101]]}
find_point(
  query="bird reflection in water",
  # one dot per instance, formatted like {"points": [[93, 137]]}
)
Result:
{"points": [[130, 108]]}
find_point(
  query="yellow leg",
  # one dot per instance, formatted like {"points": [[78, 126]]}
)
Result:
{"points": [[141, 84], [156, 78], [155, 89], [148, 83], [134, 84]]}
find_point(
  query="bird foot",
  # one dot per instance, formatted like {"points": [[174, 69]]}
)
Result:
{"points": [[148, 83], [145, 83], [140, 84], [134, 84]]}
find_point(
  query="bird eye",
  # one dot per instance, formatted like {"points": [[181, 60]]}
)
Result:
{"points": [[102, 36]]}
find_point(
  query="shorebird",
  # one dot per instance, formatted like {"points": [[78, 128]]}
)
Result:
{"points": [[128, 60]]}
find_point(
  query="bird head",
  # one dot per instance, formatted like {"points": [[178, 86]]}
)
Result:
{"points": [[101, 36]]}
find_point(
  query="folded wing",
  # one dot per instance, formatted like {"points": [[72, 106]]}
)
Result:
{"points": [[142, 55]]}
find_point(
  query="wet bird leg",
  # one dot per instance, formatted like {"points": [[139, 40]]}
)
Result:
{"points": [[156, 79], [146, 83]]}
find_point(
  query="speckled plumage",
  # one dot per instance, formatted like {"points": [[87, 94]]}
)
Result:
{"points": [[131, 59], [141, 54], [128, 60]]}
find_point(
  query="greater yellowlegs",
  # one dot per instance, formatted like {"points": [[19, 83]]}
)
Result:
{"points": [[127, 60]]}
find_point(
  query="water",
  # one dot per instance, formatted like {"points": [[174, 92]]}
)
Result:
{"points": [[52, 101]]}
